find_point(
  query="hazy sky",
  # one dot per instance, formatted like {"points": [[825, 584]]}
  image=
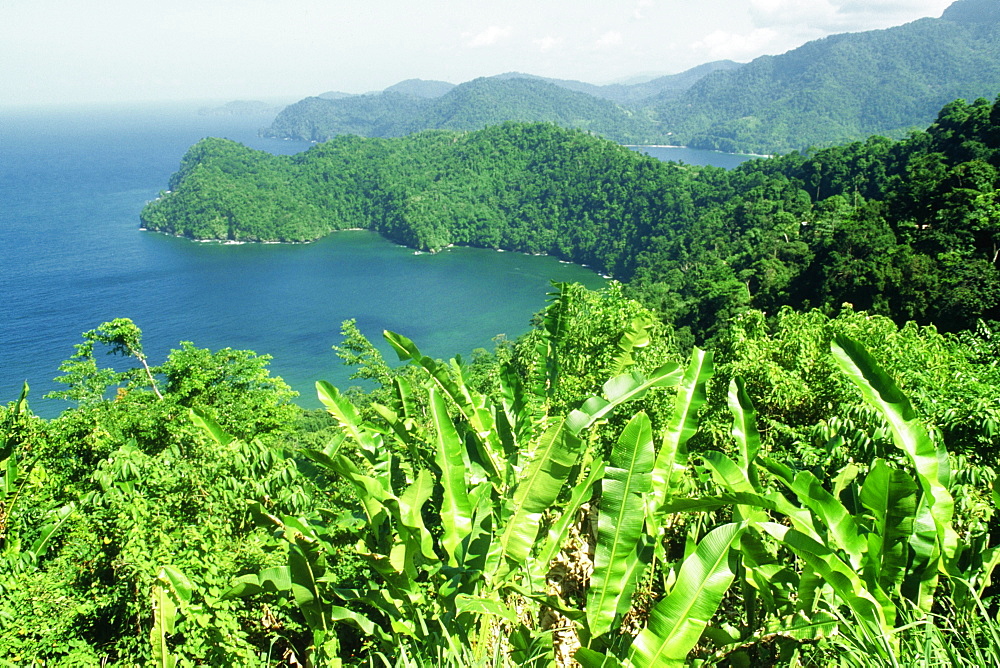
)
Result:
{"points": [[133, 50]]}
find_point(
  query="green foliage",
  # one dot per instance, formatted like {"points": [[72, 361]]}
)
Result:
{"points": [[116, 491], [785, 501], [840, 88]]}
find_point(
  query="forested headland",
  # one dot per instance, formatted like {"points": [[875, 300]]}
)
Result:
{"points": [[774, 442], [904, 228]]}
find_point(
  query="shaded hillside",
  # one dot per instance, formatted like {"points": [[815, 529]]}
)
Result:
{"points": [[320, 118], [421, 88], [469, 106], [633, 94], [843, 87], [840, 88]]}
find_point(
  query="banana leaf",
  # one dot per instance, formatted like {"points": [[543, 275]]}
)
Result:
{"points": [[456, 509], [626, 481], [540, 485], [891, 496], [676, 623], [470, 404], [841, 525], [870, 610], [622, 388], [672, 458], [908, 433], [744, 430], [559, 529]]}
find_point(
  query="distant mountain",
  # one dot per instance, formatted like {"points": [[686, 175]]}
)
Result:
{"points": [[973, 11], [421, 88], [663, 87], [335, 95], [320, 118], [634, 93], [833, 90], [469, 106], [843, 87]]}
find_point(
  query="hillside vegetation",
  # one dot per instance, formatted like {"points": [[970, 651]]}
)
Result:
{"points": [[470, 106], [773, 443], [842, 87], [817, 491]]}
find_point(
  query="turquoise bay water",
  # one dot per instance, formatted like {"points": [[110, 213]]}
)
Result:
{"points": [[72, 183]]}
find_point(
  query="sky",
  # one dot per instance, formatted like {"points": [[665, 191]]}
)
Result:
{"points": [[113, 51]]}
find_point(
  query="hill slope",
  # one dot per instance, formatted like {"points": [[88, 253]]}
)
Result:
{"points": [[469, 106], [843, 87], [909, 229]]}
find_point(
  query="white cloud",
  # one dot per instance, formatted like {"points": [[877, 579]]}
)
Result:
{"points": [[721, 44], [547, 43], [640, 7], [609, 39], [488, 37], [826, 16]]}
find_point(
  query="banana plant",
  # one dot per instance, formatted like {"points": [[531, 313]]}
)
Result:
{"points": [[466, 500], [871, 543], [171, 593]]}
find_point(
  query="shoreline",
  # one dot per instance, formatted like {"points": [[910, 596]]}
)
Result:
{"points": [[236, 242], [707, 150], [416, 251]]}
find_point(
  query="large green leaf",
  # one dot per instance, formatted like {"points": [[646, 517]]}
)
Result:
{"points": [[636, 336], [841, 525], [891, 496], [627, 480], [541, 482], [472, 405], [40, 544], [908, 433], [671, 460], [622, 388], [202, 419], [559, 529], [744, 429], [171, 591], [411, 503], [869, 609], [347, 415], [677, 622], [456, 509]]}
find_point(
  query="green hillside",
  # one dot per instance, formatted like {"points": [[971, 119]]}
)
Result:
{"points": [[469, 106], [840, 88], [817, 487]]}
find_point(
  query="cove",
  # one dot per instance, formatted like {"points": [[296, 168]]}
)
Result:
{"points": [[72, 183]]}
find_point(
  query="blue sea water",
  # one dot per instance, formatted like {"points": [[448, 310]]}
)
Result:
{"points": [[72, 184]]}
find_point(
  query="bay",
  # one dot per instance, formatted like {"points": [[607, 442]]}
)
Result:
{"points": [[72, 183]]}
